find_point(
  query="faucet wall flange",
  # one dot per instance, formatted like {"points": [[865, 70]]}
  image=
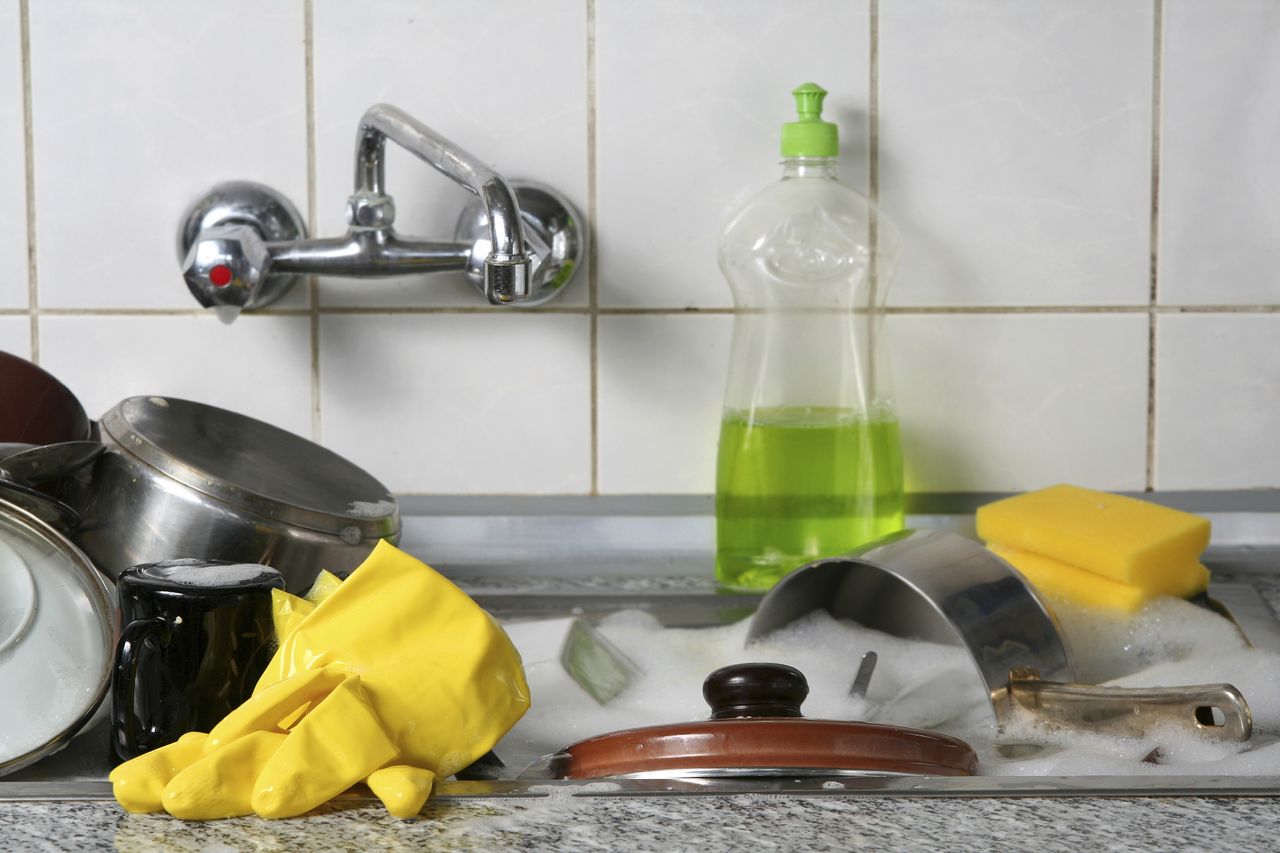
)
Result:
{"points": [[236, 212], [553, 230]]}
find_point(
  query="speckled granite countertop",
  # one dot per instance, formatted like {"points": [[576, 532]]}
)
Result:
{"points": [[743, 822]]}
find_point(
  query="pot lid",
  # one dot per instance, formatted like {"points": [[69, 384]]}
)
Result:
{"points": [[56, 638], [254, 466], [756, 730]]}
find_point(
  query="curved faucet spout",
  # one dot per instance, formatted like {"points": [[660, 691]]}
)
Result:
{"points": [[243, 244], [507, 272]]}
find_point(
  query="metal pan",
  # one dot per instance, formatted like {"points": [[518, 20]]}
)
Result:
{"points": [[184, 479], [943, 587]]}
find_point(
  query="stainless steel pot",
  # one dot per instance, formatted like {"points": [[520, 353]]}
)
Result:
{"points": [[946, 588], [183, 479]]}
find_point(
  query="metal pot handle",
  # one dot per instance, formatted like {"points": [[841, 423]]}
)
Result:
{"points": [[1216, 711]]}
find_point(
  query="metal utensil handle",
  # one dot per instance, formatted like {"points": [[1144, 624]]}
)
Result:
{"points": [[1215, 711]]}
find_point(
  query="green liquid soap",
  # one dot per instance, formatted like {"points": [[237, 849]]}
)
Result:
{"points": [[795, 485]]}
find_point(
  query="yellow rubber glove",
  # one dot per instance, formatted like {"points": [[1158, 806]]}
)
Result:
{"points": [[288, 611], [397, 677], [139, 784]]}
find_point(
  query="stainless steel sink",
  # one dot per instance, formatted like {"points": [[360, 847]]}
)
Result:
{"points": [[549, 557]]}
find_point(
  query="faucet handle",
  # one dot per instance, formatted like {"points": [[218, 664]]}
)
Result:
{"points": [[222, 246], [226, 266]]}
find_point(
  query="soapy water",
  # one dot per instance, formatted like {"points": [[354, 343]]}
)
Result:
{"points": [[920, 684]]}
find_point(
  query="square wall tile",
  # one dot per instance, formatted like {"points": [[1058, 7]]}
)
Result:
{"points": [[1015, 150], [139, 108], [460, 403], [1220, 173], [662, 380], [507, 82], [1217, 411], [259, 366], [13, 168], [15, 335], [691, 98], [1020, 401]]}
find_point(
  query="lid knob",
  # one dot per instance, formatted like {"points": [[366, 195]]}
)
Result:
{"points": [[755, 690]]}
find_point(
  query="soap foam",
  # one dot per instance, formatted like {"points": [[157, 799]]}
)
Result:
{"points": [[201, 574], [926, 685], [1106, 645], [371, 509]]}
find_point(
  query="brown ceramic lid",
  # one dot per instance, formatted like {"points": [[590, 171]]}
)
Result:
{"points": [[756, 729]]}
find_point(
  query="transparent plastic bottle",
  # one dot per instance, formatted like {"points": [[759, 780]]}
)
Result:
{"points": [[810, 462]]}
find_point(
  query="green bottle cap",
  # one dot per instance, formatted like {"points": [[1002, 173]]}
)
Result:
{"points": [[810, 136]]}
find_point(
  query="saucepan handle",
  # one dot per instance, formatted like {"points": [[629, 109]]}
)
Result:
{"points": [[1215, 711]]}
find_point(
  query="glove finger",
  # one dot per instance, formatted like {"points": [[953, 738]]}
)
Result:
{"points": [[338, 743], [402, 788], [265, 711], [221, 783], [139, 783]]}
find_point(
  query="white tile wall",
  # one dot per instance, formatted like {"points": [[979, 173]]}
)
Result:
{"points": [[137, 109], [13, 188], [1216, 403], [507, 82], [662, 382], [461, 403], [15, 335], [691, 102], [1220, 188], [1033, 400], [1015, 150], [260, 366], [1014, 143]]}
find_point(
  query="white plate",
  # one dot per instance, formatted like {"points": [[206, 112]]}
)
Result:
{"points": [[17, 597]]}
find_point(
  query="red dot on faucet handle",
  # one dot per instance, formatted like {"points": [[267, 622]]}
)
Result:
{"points": [[220, 275]]}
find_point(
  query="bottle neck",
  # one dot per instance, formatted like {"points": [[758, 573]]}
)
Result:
{"points": [[809, 167]]}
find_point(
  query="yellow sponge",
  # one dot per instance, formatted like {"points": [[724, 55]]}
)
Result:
{"points": [[1154, 548], [1059, 580], [325, 585]]}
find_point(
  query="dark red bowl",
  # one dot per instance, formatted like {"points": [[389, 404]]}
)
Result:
{"points": [[35, 408]]}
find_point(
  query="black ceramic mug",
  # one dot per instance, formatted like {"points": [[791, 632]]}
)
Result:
{"points": [[195, 635]]}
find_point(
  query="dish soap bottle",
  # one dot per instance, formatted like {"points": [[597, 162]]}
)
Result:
{"points": [[810, 463]]}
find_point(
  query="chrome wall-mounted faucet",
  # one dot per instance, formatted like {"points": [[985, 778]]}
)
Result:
{"points": [[243, 245]]}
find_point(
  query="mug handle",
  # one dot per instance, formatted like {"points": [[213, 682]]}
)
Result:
{"points": [[124, 679]]}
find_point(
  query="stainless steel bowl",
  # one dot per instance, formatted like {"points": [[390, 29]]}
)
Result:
{"points": [[183, 479], [943, 587]]}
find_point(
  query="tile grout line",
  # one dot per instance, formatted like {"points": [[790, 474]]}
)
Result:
{"points": [[593, 278], [1153, 298], [29, 167], [313, 285]]}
